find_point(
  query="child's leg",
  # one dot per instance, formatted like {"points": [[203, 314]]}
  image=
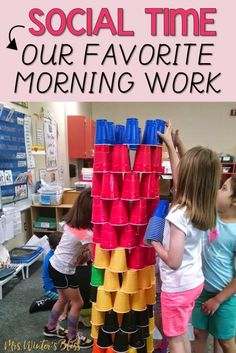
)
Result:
{"points": [[63, 316], [200, 342], [217, 347], [179, 344], [228, 346], [57, 309], [76, 304]]}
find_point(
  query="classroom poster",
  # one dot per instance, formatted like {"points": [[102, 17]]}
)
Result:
{"points": [[109, 59]]}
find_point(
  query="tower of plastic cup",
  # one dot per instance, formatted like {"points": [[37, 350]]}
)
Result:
{"points": [[124, 200]]}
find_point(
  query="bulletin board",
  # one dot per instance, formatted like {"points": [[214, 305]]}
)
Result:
{"points": [[13, 158]]}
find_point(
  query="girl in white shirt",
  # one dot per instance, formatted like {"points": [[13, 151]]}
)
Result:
{"points": [[73, 244], [180, 255]]}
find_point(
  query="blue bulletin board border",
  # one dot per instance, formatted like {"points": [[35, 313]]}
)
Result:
{"points": [[13, 159]]}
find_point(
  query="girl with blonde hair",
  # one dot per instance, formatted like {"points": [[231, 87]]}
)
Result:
{"points": [[194, 212]]}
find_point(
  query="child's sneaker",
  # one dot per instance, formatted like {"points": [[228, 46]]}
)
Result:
{"points": [[85, 342], [79, 342], [58, 331]]}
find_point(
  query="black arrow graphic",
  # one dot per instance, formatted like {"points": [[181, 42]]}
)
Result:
{"points": [[12, 42]]}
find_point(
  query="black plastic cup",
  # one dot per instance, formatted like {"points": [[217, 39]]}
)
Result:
{"points": [[121, 342], [129, 322], [111, 324], [104, 339], [142, 318], [150, 311], [145, 332], [93, 294], [143, 349], [136, 339]]}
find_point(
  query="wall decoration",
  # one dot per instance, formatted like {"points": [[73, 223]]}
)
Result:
{"points": [[50, 136]]}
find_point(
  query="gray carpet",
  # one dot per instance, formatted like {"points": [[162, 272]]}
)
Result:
{"points": [[19, 330]]}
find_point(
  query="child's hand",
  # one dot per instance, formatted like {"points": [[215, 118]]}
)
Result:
{"points": [[167, 136], [176, 138], [83, 257], [210, 306]]}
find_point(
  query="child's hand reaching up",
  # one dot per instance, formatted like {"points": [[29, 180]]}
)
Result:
{"points": [[167, 137]]}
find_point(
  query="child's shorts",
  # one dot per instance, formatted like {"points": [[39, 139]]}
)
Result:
{"points": [[62, 281], [222, 324], [177, 309]]}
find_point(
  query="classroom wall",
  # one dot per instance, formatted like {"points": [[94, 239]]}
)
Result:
{"points": [[58, 111], [208, 124]]}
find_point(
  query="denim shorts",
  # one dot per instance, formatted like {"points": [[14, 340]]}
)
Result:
{"points": [[222, 324]]}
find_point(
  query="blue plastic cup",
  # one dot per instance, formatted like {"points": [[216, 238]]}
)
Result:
{"points": [[131, 132], [101, 133], [134, 147], [119, 134], [111, 132], [154, 230], [161, 209], [150, 133], [160, 126]]}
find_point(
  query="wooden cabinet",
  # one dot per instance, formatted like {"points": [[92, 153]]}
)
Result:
{"points": [[46, 219], [80, 136]]}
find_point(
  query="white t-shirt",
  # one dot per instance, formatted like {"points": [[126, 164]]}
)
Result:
{"points": [[189, 275], [71, 246]]}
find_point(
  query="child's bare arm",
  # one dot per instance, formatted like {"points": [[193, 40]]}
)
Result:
{"points": [[174, 158], [178, 143], [211, 305], [173, 257]]}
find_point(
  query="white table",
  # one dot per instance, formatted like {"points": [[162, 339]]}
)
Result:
{"points": [[17, 268], [28, 264]]}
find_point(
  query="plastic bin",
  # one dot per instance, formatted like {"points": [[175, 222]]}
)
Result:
{"points": [[45, 223], [35, 199], [50, 199]]}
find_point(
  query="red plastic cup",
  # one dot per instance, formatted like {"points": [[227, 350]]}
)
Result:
{"points": [[141, 233], [138, 215], [110, 186], [149, 186], [102, 158], [150, 256], [143, 162], [151, 206], [97, 233], [120, 181], [130, 190], [119, 213], [156, 157], [96, 185], [100, 213], [128, 237], [136, 258], [93, 251], [109, 239], [120, 161]]}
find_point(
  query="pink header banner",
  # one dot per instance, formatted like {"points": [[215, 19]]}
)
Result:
{"points": [[120, 50]]}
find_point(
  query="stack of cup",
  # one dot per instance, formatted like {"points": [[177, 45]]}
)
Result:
{"points": [[123, 272]]}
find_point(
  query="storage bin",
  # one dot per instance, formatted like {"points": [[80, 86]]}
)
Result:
{"points": [[35, 199], [45, 223], [50, 199]]}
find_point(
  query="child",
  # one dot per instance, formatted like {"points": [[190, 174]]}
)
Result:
{"points": [[180, 255], [48, 285], [215, 309], [75, 239]]}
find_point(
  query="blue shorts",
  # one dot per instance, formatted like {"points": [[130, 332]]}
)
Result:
{"points": [[222, 324]]}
